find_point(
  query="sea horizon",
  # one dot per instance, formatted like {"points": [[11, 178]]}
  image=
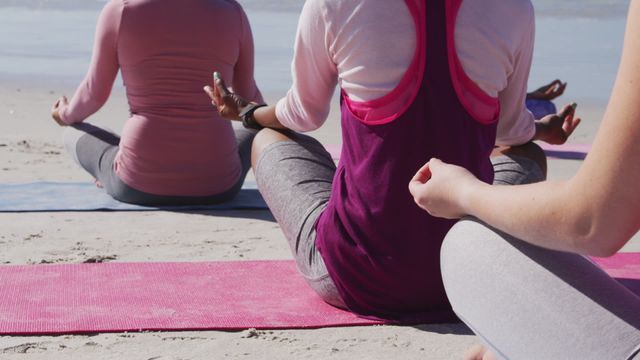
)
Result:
{"points": [[50, 41], [566, 8]]}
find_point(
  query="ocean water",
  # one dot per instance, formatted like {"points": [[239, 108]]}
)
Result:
{"points": [[49, 41], [44, 41], [565, 8]]}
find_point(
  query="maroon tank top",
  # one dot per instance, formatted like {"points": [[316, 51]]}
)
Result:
{"points": [[380, 249]]}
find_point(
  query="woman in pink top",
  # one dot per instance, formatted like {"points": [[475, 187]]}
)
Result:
{"points": [[174, 149]]}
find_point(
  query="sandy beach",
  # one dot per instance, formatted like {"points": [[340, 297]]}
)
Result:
{"points": [[31, 150]]}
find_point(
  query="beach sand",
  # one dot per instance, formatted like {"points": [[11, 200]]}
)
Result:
{"points": [[31, 150]]}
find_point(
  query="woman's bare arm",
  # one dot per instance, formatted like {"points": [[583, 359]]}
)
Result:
{"points": [[594, 213]]}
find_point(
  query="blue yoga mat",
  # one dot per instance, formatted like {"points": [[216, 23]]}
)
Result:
{"points": [[61, 196], [541, 108]]}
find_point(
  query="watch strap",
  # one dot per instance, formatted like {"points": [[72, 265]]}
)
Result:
{"points": [[246, 115]]}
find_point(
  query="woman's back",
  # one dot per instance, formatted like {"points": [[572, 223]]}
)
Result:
{"points": [[167, 49], [174, 143]]}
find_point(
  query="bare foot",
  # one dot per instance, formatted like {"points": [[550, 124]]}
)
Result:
{"points": [[479, 352]]}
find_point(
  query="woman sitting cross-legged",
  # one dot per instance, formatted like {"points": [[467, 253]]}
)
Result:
{"points": [[518, 276], [418, 79], [174, 148]]}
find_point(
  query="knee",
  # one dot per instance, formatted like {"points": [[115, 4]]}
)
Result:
{"points": [[457, 252], [263, 139], [535, 153], [71, 137], [466, 261], [530, 151]]}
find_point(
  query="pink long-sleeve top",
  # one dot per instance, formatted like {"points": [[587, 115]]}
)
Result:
{"points": [[174, 142]]}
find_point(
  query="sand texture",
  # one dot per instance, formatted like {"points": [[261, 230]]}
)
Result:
{"points": [[31, 150]]}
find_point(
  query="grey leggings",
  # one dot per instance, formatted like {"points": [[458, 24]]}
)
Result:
{"points": [[95, 149], [526, 302], [295, 178]]}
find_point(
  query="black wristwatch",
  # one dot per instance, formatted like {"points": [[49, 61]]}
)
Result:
{"points": [[246, 115]]}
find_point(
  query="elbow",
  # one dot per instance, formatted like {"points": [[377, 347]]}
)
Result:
{"points": [[301, 115], [603, 246], [598, 222], [597, 236], [306, 126], [609, 243], [302, 121], [309, 118], [608, 249]]}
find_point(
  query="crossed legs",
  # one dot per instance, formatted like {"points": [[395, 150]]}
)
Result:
{"points": [[526, 302], [95, 149], [294, 174]]}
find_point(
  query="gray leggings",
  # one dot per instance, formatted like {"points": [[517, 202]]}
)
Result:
{"points": [[526, 302], [295, 178], [95, 150]]}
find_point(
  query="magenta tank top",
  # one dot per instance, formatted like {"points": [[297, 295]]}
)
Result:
{"points": [[380, 249]]}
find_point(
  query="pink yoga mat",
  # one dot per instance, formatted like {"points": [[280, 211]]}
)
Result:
{"points": [[117, 297], [625, 267]]}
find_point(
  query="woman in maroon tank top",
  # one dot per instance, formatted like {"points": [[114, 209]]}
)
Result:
{"points": [[355, 232]]}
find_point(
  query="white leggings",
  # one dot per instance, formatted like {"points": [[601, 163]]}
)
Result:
{"points": [[526, 302]]}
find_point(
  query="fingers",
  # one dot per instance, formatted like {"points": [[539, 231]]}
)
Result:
{"points": [[570, 125], [419, 179], [220, 85], [218, 91], [550, 87], [555, 89], [62, 101], [554, 84], [209, 90], [561, 89], [55, 110], [423, 175], [568, 110], [212, 95], [569, 121]]}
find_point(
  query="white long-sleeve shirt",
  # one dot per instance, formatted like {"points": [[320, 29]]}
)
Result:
{"points": [[367, 46]]}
